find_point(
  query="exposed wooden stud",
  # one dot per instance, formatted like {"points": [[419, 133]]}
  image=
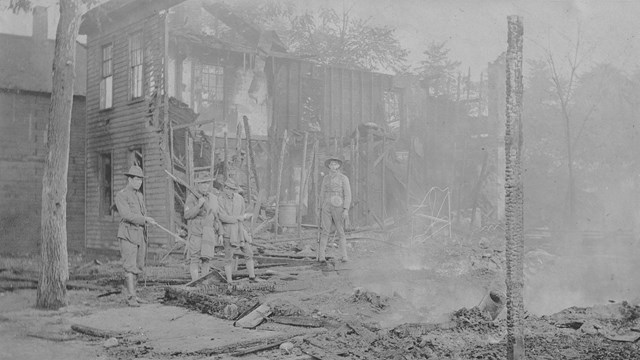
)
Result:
{"points": [[251, 156], [302, 177], [189, 144], [383, 166], [279, 183], [213, 148], [226, 156], [356, 180], [369, 172]]}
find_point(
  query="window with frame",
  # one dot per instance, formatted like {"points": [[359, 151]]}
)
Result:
{"points": [[212, 80], [105, 175], [136, 66], [106, 79]]}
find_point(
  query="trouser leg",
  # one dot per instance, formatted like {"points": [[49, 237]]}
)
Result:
{"points": [[325, 228], [338, 220], [228, 259], [322, 247], [193, 268], [206, 266]]}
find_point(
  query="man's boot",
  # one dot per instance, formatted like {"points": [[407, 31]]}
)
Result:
{"points": [[252, 272], [227, 273], [131, 290], [193, 270], [322, 247], [135, 284], [343, 248]]}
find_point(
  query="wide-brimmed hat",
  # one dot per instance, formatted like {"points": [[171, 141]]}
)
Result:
{"points": [[203, 176], [135, 171], [326, 162], [231, 185]]}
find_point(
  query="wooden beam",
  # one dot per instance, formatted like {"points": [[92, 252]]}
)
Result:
{"points": [[279, 183], [302, 177], [195, 123]]}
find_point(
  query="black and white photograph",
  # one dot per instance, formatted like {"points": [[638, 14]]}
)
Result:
{"points": [[320, 179]]}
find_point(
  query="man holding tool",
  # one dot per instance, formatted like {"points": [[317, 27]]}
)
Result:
{"points": [[232, 215], [335, 200], [203, 224], [132, 231]]}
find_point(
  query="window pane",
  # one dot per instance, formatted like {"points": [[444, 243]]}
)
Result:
{"points": [[109, 92], [136, 61]]}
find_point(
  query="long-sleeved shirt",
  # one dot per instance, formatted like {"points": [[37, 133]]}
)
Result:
{"points": [[130, 204], [335, 184], [200, 216], [230, 209]]}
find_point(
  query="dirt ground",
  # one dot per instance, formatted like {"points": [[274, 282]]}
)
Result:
{"points": [[396, 299]]}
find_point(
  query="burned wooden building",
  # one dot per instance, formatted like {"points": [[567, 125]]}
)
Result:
{"points": [[169, 86]]}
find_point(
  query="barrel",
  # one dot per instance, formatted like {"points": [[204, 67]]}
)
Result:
{"points": [[287, 214]]}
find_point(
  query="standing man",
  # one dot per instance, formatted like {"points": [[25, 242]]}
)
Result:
{"points": [[232, 215], [203, 225], [132, 232], [335, 200]]}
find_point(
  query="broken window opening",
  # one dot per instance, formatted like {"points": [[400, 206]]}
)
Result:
{"points": [[212, 79], [136, 65], [105, 176], [106, 81]]}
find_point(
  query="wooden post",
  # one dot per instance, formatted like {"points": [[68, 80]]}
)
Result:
{"points": [[514, 193], [225, 168], [213, 148], [383, 164], [302, 177], [189, 142], [353, 181], [316, 180], [408, 188], [279, 183], [247, 131], [356, 180], [370, 159]]}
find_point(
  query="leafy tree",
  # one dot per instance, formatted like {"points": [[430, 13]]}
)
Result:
{"points": [[437, 70], [328, 36]]}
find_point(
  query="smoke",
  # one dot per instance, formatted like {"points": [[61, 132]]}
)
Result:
{"points": [[586, 269]]}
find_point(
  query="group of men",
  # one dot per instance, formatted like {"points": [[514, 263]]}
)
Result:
{"points": [[217, 219]]}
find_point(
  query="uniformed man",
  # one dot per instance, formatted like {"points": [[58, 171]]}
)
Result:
{"points": [[335, 200], [232, 215], [132, 232], [203, 225]]}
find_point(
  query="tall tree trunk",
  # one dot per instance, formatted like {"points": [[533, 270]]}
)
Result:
{"points": [[514, 192], [54, 272]]}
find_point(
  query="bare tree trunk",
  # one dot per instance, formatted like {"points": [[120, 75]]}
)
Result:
{"points": [[514, 193], [54, 272]]}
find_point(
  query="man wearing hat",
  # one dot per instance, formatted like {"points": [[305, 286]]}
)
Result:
{"points": [[335, 200], [132, 233], [202, 222], [232, 215]]}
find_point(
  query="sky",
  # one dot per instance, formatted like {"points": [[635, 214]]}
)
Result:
{"points": [[476, 30]]}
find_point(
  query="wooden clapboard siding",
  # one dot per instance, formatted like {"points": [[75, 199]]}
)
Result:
{"points": [[128, 125], [349, 97]]}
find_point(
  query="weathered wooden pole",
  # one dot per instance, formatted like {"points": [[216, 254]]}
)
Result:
{"points": [[279, 183], [356, 180], [370, 171], [225, 168], [383, 164], [514, 192], [247, 132], [302, 177], [213, 148]]}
